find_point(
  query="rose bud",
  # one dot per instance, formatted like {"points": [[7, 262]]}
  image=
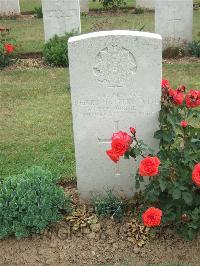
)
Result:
{"points": [[182, 88], [132, 130], [185, 218], [184, 124]]}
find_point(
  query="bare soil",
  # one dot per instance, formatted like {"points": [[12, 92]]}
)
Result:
{"points": [[104, 242]]}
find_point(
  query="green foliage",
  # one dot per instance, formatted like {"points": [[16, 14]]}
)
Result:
{"points": [[30, 202], [38, 12], [56, 50], [112, 4], [5, 58], [139, 10], [109, 205], [194, 48]]}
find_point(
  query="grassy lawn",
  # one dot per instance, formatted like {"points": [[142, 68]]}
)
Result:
{"points": [[29, 5], [35, 117], [30, 36]]}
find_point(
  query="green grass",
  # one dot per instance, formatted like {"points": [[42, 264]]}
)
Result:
{"points": [[35, 117], [30, 36], [97, 5], [29, 5]]}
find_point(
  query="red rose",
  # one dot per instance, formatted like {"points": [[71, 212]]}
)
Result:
{"points": [[113, 156], [165, 83], [132, 130], [152, 217], [149, 166], [178, 97], [182, 88], [196, 175], [120, 142], [184, 124], [9, 48], [193, 99]]}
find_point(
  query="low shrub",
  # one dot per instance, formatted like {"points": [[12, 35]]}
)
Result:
{"points": [[30, 202], [174, 52], [194, 48], [139, 10], [7, 48], [112, 4], [38, 12], [56, 50], [109, 205]]}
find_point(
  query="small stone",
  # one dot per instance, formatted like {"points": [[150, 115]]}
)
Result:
{"points": [[86, 230], [91, 235], [95, 227], [136, 250], [63, 233]]}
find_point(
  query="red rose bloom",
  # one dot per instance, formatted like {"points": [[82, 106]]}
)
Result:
{"points": [[113, 156], [193, 99], [120, 142], [196, 175], [9, 48], [184, 124], [132, 130], [152, 217], [149, 166], [165, 83], [177, 96], [182, 88]]}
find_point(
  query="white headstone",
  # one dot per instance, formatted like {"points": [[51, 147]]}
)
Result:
{"points": [[173, 21], [60, 16], [9, 7], [115, 79], [84, 6], [150, 4]]}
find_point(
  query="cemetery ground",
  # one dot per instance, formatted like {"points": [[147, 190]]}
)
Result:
{"points": [[36, 129], [28, 30]]}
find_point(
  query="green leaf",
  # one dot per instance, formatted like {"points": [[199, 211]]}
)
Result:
{"points": [[158, 134], [163, 184], [187, 197], [176, 194]]}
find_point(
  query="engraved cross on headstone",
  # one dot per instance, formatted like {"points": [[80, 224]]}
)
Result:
{"points": [[108, 141]]}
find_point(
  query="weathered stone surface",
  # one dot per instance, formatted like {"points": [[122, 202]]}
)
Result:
{"points": [[9, 7], [60, 16], [173, 21], [150, 4], [115, 81], [84, 6]]}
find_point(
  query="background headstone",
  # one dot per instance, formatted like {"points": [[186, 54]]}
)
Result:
{"points": [[173, 21], [115, 79], [150, 4], [60, 16], [84, 6], [9, 7]]}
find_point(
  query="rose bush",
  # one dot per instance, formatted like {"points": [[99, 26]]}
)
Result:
{"points": [[7, 48], [174, 172]]}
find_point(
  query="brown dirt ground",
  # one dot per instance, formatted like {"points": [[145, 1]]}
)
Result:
{"points": [[106, 243]]}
